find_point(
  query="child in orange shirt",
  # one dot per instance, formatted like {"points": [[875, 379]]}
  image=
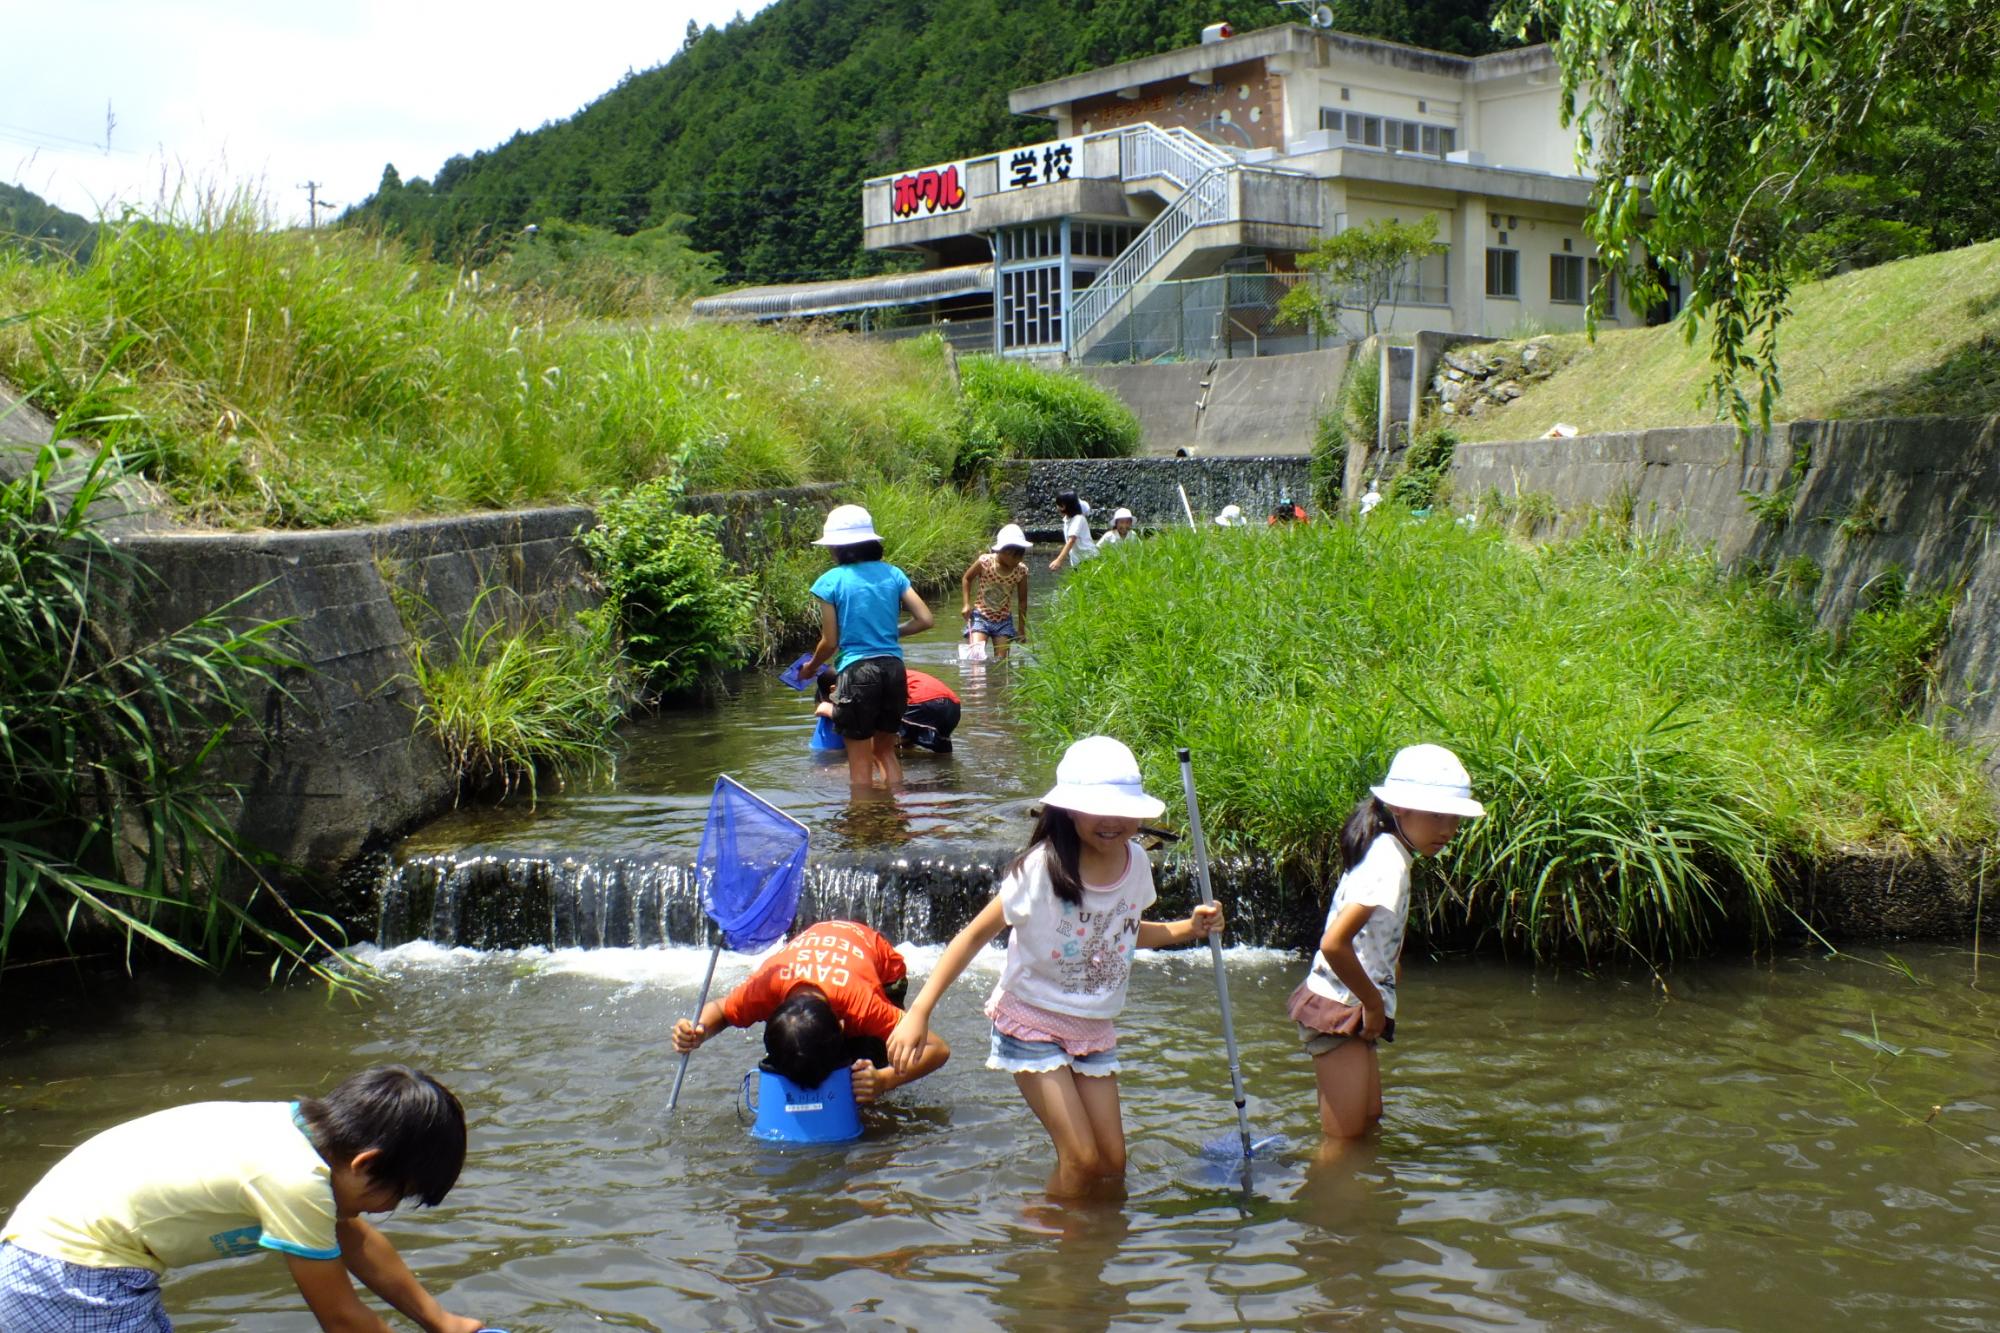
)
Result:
{"points": [[824, 1001]]}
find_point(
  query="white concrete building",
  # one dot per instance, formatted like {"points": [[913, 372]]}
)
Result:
{"points": [[1166, 216]]}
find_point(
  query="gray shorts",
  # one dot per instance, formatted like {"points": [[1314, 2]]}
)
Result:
{"points": [[1318, 1043]]}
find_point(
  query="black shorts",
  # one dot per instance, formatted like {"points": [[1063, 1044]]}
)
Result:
{"points": [[875, 1050], [931, 723], [869, 698]]}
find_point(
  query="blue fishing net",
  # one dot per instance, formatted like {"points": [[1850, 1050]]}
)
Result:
{"points": [[751, 867]]}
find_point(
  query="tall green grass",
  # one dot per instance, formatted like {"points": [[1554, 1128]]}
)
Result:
{"points": [[309, 379], [1658, 746], [1018, 411], [114, 828], [514, 703], [931, 535]]}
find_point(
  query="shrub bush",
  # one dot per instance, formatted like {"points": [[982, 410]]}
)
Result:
{"points": [[682, 610], [1657, 745], [1017, 411]]}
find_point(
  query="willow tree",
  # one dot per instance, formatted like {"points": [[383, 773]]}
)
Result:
{"points": [[1708, 122]]}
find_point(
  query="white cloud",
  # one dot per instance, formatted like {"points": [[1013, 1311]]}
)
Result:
{"points": [[232, 92]]}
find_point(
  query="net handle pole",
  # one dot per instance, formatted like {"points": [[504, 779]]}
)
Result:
{"points": [[1215, 950], [1187, 508], [701, 1002]]}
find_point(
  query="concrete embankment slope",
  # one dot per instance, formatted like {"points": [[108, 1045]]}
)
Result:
{"points": [[1251, 406], [1914, 497]]}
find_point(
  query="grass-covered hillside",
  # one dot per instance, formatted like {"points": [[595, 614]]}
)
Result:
{"points": [[308, 379], [1913, 337], [1657, 746]]}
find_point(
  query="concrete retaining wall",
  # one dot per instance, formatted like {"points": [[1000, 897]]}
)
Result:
{"points": [[1254, 406], [1920, 495], [334, 764]]}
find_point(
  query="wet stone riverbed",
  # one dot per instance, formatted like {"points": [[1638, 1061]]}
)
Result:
{"points": [[1560, 1152]]}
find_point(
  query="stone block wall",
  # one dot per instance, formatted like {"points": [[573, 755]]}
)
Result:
{"points": [[1149, 487]]}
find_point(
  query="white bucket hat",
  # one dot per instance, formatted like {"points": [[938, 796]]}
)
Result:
{"points": [[1231, 517], [847, 525], [1099, 776], [1121, 516], [1429, 777], [1011, 535]]}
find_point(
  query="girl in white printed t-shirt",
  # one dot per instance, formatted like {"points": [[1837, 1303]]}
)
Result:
{"points": [[1348, 1001], [1077, 545], [1074, 899]]}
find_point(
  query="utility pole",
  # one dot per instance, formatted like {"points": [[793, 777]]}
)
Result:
{"points": [[110, 123], [314, 203]]}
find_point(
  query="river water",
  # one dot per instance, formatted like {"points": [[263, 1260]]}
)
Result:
{"points": [[1755, 1150], [1560, 1152]]}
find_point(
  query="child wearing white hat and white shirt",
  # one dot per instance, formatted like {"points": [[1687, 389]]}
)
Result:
{"points": [[1075, 899], [1348, 1001], [1121, 529]]}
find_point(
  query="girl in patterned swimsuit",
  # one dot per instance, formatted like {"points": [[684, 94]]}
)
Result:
{"points": [[1001, 578], [1074, 899]]}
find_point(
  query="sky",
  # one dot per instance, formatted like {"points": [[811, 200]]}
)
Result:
{"points": [[272, 94]]}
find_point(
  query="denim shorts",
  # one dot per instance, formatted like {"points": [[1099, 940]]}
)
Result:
{"points": [[1012, 1055], [43, 1295], [993, 627]]}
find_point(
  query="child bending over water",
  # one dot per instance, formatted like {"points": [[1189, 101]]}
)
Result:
{"points": [[1348, 1001], [1074, 899], [826, 999], [87, 1248]]}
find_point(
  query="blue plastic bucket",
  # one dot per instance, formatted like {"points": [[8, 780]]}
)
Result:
{"points": [[825, 739], [788, 1113]]}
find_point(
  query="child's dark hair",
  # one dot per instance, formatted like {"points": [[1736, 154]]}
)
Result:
{"points": [[857, 552], [823, 685], [1370, 820], [413, 1122], [802, 1040], [1069, 504], [1056, 828]]}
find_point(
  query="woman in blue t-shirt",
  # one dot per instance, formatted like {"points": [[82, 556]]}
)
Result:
{"points": [[861, 601]]}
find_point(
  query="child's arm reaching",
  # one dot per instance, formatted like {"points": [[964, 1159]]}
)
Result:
{"points": [[1338, 946], [367, 1254], [965, 587], [1206, 921], [907, 1043], [829, 640], [688, 1036]]}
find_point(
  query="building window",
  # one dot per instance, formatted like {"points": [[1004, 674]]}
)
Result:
{"points": [[1398, 136], [1503, 273], [1566, 280], [1033, 313], [1596, 275]]}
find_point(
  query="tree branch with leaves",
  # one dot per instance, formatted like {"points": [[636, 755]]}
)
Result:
{"points": [[1708, 125], [1358, 271]]}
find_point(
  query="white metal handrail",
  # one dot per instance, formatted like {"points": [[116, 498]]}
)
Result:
{"points": [[1177, 154], [1211, 199]]}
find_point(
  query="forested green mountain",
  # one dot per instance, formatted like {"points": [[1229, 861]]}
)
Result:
{"points": [[761, 132], [24, 213]]}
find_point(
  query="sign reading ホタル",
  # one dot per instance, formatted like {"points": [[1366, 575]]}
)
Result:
{"points": [[928, 193]]}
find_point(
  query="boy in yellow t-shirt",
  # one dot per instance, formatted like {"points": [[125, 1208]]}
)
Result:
{"points": [[87, 1248]]}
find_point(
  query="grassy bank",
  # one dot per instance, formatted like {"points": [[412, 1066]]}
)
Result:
{"points": [[1658, 746], [307, 379], [1909, 338]]}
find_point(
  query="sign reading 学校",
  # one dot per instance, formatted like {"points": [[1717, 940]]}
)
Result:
{"points": [[1041, 164], [927, 193]]}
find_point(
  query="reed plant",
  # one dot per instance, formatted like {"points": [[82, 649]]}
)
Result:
{"points": [[515, 702], [1659, 746], [1019, 411], [116, 828], [309, 379]]}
